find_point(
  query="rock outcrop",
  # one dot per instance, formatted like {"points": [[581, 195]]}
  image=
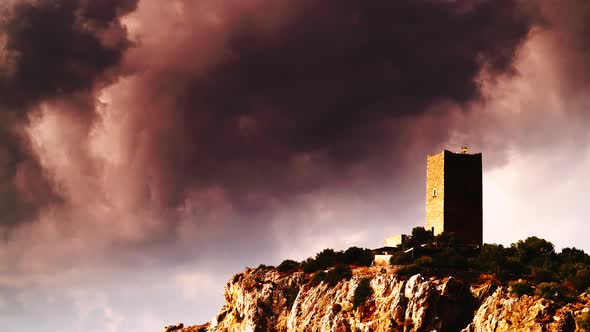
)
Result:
{"points": [[266, 300]]}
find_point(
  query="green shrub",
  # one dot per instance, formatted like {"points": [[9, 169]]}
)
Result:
{"points": [[340, 272], [408, 270], [421, 235], [358, 256], [583, 321], [288, 266], [322, 260], [449, 257], [330, 258], [581, 280], [534, 251], [573, 255], [401, 258], [497, 260], [553, 291], [317, 278], [310, 266], [521, 288], [424, 261], [362, 292], [265, 267], [540, 274]]}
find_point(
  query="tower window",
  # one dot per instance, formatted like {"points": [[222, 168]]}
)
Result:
{"points": [[434, 192]]}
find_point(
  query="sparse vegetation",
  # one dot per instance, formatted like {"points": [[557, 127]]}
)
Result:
{"points": [[290, 295], [362, 292], [408, 270], [521, 288], [329, 258], [288, 266], [340, 272], [424, 261], [553, 291], [401, 258], [540, 274], [317, 278]]}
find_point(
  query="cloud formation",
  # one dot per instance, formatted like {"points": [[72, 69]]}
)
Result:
{"points": [[223, 107], [49, 50], [149, 133]]}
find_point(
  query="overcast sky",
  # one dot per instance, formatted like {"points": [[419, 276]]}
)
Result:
{"points": [[151, 149]]}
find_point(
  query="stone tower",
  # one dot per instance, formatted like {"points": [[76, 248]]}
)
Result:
{"points": [[454, 196]]}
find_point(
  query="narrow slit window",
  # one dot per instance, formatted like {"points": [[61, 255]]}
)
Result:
{"points": [[434, 192]]}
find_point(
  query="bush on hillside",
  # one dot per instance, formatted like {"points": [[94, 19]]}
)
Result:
{"points": [[492, 258], [265, 267], [288, 266], [419, 236], [449, 258], [540, 274], [358, 256], [362, 292], [322, 260], [290, 295], [329, 258], [553, 291], [424, 261], [521, 288], [317, 278], [401, 258], [409, 270], [573, 255], [537, 252], [340, 272], [581, 280]]}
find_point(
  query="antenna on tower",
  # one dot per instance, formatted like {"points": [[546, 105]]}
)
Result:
{"points": [[463, 149]]}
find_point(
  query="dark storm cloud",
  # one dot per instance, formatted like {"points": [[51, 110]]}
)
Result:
{"points": [[314, 92], [58, 48], [51, 49], [250, 131]]}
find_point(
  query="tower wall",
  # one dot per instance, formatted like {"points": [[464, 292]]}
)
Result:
{"points": [[435, 193], [463, 197]]}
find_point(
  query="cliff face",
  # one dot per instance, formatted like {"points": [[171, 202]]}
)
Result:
{"points": [[266, 300]]}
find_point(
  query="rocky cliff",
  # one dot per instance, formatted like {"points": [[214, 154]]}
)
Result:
{"points": [[266, 300]]}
